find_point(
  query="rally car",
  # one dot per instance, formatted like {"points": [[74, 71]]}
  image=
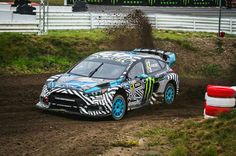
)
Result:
{"points": [[112, 83]]}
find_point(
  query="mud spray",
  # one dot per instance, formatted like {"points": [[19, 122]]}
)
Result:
{"points": [[135, 32]]}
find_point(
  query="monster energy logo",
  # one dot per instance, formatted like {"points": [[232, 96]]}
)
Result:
{"points": [[114, 2], [149, 87], [151, 2], [186, 2]]}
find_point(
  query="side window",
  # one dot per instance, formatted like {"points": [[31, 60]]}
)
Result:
{"points": [[152, 65], [162, 63], [136, 70]]}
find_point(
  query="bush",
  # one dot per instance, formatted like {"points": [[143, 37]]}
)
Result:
{"points": [[209, 151], [179, 151], [211, 70], [233, 69]]}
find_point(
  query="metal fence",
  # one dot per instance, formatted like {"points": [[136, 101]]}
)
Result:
{"points": [[195, 3], [30, 27], [75, 21]]}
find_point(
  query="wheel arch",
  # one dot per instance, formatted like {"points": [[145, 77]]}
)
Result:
{"points": [[174, 83], [122, 91]]}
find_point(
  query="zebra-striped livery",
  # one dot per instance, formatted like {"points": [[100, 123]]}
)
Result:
{"points": [[92, 96]]}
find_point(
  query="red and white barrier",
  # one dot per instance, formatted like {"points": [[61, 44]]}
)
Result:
{"points": [[218, 100], [10, 3], [220, 91]]}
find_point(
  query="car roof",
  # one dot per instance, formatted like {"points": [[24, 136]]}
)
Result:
{"points": [[123, 56]]}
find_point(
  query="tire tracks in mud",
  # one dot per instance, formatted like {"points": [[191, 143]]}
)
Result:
{"points": [[25, 130]]}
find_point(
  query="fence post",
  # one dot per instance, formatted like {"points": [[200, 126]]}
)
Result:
{"points": [[194, 24], [91, 21], [156, 21], [231, 26], [12, 16], [40, 18]]}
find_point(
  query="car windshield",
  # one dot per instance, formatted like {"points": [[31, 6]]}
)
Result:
{"points": [[98, 69]]}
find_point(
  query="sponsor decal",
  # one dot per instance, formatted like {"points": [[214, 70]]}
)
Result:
{"points": [[149, 87], [134, 103]]}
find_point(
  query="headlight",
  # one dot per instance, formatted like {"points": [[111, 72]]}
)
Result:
{"points": [[44, 91]]}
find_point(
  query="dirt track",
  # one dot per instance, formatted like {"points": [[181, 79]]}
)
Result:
{"points": [[25, 130]]}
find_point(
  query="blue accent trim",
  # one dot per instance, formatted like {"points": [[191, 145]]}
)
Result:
{"points": [[75, 84], [142, 76], [93, 89], [118, 108], [171, 58], [116, 82], [51, 85], [169, 95]]}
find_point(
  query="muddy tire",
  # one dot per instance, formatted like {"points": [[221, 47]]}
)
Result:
{"points": [[169, 94], [119, 106]]}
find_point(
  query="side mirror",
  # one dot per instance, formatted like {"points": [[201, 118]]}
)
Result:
{"points": [[142, 76]]}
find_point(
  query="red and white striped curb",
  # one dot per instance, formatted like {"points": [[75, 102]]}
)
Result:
{"points": [[218, 100], [220, 91]]}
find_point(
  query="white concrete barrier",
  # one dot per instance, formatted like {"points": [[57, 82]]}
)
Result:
{"points": [[5, 6]]}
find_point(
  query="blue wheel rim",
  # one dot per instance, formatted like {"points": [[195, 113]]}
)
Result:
{"points": [[169, 95], [118, 108]]}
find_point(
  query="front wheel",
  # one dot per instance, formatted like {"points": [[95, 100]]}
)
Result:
{"points": [[118, 107], [169, 94]]}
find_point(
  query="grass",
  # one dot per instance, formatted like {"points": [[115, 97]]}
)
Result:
{"points": [[209, 138], [55, 52], [181, 37], [58, 50], [125, 143], [211, 70], [220, 48], [179, 151], [233, 69]]}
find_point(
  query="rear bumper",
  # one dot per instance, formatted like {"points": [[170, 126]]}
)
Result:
{"points": [[45, 107]]}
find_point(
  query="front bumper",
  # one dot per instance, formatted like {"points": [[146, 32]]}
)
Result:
{"points": [[80, 111]]}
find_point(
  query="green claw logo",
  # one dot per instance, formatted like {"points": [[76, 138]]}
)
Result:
{"points": [[149, 87]]}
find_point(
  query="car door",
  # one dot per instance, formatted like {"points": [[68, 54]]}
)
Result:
{"points": [[136, 85], [155, 69]]}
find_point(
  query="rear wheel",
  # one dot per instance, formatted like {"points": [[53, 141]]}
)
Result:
{"points": [[169, 94], [118, 107]]}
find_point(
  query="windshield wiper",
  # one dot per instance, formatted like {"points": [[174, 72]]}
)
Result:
{"points": [[94, 71]]}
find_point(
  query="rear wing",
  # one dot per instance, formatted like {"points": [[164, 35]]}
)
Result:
{"points": [[169, 57]]}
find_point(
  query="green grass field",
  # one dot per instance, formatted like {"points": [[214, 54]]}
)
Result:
{"points": [[208, 138], [55, 52], [198, 54]]}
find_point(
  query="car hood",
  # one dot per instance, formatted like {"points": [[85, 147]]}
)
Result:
{"points": [[71, 81]]}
